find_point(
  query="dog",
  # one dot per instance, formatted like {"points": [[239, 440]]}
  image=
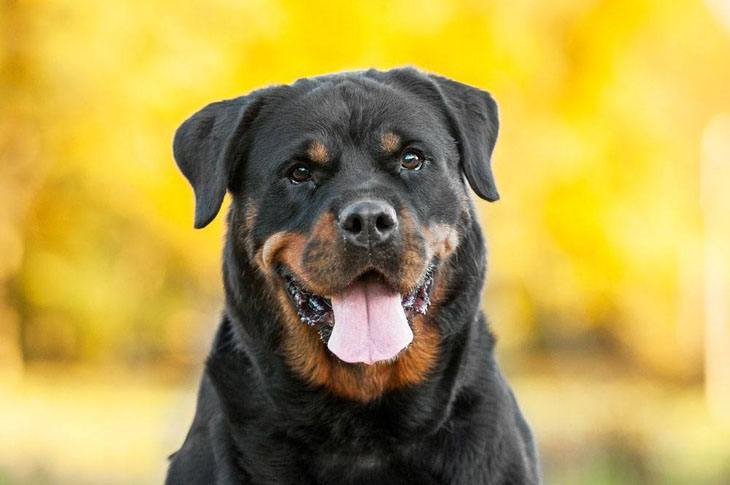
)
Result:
{"points": [[352, 348]]}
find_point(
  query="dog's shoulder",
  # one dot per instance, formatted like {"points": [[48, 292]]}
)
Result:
{"points": [[206, 445], [209, 450]]}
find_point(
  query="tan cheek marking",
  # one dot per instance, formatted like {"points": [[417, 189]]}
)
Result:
{"points": [[250, 214], [305, 352], [323, 256], [413, 260], [324, 228], [443, 239], [420, 358], [289, 244], [317, 152], [390, 141], [249, 219]]}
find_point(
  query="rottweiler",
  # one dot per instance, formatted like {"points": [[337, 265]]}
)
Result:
{"points": [[351, 348]]}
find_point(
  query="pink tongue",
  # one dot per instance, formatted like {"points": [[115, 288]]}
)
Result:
{"points": [[370, 324]]}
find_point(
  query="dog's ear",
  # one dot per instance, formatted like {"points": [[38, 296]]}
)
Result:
{"points": [[473, 119], [208, 145]]}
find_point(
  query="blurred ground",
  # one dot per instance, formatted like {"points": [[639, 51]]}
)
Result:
{"points": [[84, 428]]}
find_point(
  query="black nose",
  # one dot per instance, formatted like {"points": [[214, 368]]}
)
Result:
{"points": [[368, 222]]}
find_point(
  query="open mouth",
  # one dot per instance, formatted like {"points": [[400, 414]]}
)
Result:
{"points": [[366, 322]]}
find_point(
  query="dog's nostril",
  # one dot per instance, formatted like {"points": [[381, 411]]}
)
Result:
{"points": [[353, 224], [383, 222]]}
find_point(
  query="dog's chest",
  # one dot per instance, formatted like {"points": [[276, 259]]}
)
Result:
{"points": [[394, 465], [352, 463]]}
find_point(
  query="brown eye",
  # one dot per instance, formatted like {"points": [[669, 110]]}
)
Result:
{"points": [[412, 159], [299, 173]]}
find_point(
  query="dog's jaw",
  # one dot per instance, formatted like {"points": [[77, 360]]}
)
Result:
{"points": [[316, 310]]}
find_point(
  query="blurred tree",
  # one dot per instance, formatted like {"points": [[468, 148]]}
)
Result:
{"points": [[595, 243]]}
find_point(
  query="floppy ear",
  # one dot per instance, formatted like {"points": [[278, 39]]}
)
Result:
{"points": [[474, 124], [206, 148], [474, 117]]}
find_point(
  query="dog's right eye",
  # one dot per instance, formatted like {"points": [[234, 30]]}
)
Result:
{"points": [[299, 173], [412, 160]]}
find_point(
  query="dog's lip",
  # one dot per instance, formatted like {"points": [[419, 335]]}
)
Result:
{"points": [[316, 310], [366, 274]]}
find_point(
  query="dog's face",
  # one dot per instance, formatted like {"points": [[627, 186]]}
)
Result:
{"points": [[348, 196]]}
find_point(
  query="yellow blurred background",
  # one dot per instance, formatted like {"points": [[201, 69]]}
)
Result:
{"points": [[609, 283]]}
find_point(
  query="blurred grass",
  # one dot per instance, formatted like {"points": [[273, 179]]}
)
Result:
{"points": [[83, 426]]}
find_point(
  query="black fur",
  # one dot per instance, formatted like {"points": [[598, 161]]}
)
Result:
{"points": [[257, 421]]}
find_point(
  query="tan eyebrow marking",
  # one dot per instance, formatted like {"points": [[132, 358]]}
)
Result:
{"points": [[390, 141], [317, 152]]}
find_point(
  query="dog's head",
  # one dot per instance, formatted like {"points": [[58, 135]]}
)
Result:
{"points": [[349, 197]]}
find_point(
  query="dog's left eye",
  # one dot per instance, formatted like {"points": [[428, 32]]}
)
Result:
{"points": [[412, 159], [299, 173]]}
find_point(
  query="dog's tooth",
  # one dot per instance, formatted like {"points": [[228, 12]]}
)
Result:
{"points": [[317, 303], [324, 333]]}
